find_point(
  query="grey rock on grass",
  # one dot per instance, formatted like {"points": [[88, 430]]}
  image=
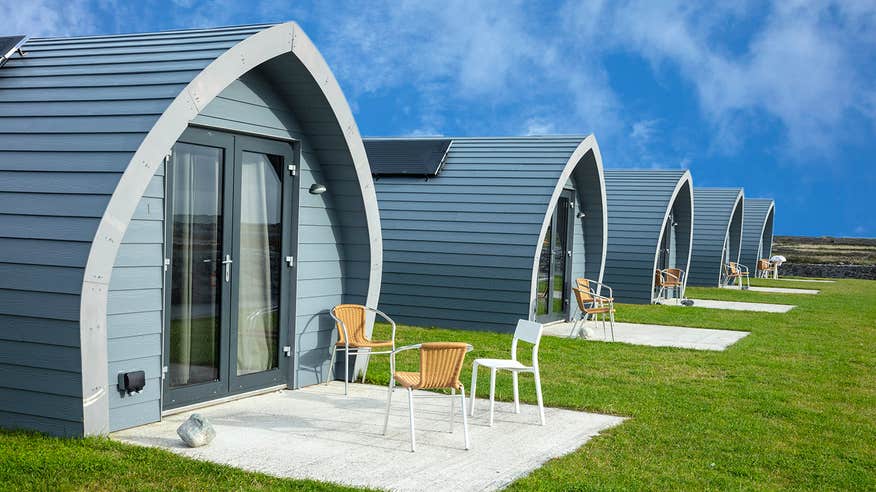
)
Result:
{"points": [[196, 431]]}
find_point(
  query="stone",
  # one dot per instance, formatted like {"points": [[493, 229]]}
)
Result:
{"points": [[196, 431]]}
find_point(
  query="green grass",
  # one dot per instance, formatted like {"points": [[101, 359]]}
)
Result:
{"points": [[35, 462], [791, 406]]}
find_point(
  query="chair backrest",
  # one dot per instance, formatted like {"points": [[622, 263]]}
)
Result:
{"points": [[658, 278], [674, 276], [530, 332], [583, 297], [353, 318], [763, 264], [440, 364], [584, 286], [732, 267]]}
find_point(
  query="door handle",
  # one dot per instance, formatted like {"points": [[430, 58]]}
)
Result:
{"points": [[227, 262]]}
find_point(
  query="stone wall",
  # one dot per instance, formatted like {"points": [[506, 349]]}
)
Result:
{"points": [[828, 271]]}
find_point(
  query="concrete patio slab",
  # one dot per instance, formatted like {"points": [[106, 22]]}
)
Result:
{"points": [[320, 434], [775, 290], [656, 335], [736, 306]]}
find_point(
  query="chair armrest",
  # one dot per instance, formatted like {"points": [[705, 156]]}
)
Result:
{"points": [[742, 268], [387, 318], [671, 275], [601, 286]]}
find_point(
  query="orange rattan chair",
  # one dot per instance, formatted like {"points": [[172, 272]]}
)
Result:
{"points": [[591, 304], [737, 272], [440, 365], [764, 268], [669, 278], [350, 321]]}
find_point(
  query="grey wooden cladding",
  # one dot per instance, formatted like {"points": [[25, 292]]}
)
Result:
{"points": [[638, 203], [459, 247], [719, 214], [757, 232], [73, 112]]}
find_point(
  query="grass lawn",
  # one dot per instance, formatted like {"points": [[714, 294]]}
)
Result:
{"points": [[791, 406]]}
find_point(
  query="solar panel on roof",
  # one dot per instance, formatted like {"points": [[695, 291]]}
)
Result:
{"points": [[406, 157], [9, 45]]}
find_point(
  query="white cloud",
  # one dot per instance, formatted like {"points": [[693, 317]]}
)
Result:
{"points": [[802, 67], [42, 18]]}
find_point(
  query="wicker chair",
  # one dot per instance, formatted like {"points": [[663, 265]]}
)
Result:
{"points": [[737, 272], [591, 304], [440, 364], [350, 321], [764, 268], [669, 278]]}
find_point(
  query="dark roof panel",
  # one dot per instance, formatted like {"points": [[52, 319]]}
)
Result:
{"points": [[399, 157]]}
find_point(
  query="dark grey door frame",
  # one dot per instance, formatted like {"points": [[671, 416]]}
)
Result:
{"points": [[229, 383], [569, 203]]}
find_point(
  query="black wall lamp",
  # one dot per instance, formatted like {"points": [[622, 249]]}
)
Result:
{"points": [[317, 189]]}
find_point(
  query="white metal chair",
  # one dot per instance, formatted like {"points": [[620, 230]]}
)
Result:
{"points": [[528, 331], [440, 365], [350, 321], [670, 280]]}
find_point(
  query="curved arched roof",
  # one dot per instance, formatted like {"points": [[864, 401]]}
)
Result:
{"points": [[461, 248], [719, 216], [111, 107], [639, 204], [757, 232]]}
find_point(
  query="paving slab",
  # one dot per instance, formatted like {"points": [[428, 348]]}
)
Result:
{"points": [[761, 307], [775, 290], [318, 433], [652, 335], [812, 280]]}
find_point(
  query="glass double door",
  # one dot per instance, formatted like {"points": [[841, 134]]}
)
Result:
{"points": [[229, 267], [554, 289]]}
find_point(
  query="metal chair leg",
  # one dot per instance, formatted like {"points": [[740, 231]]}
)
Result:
{"points": [[464, 418], [346, 371], [452, 407], [474, 385], [611, 319], [388, 405], [331, 371], [411, 415]]}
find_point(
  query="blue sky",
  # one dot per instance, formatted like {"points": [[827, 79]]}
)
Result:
{"points": [[778, 98]]}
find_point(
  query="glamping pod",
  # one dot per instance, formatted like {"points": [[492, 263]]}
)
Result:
{"points": [[650, 220], [757, 232], [160, 245], [717, 234], [481, 232]]}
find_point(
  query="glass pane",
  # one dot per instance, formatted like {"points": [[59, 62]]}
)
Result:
{"points": [[544, 274], [560, 249], [196, 264], [258, 322]]}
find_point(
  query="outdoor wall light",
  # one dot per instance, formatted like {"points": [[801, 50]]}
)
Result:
{"points": [[317, 189], [580, 215]]}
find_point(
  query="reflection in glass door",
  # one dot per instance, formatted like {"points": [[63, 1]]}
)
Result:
{"points": [[228, 266], [553, 290], [260, 267], [197, 241]]}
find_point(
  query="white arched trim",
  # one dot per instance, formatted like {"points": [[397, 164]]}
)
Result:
{"points": [[766, 218], [586, 145], [685, 179], [282, 39]]}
